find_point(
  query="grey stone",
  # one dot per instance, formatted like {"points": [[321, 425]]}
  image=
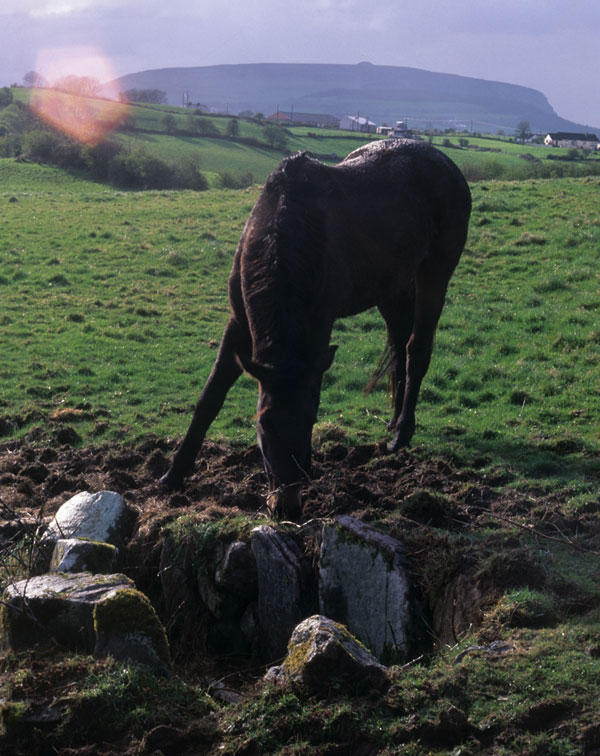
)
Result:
{"points": [[58, 607], [321, 652], [364, 584], [76, 555], [228, 581], [175, 577], [236, 571], [214, 599], [280, 589], [102, 516]]}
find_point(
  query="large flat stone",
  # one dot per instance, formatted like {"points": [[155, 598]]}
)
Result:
{"points": [[58, 607], [364, 584]]}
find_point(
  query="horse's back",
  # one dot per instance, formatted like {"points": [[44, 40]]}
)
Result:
{"points": [[355, 232]]}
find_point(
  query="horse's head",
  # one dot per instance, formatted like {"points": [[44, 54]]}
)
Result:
{"points": [[287, 410]]}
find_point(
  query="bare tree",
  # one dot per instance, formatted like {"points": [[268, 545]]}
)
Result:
{"points": [[523, 131], [34, 79], [84, 86]]}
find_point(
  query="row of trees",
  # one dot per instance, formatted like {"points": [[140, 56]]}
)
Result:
{"points": [[83, 86], [88, 86], [24, 136], [153, 96], [274, 136], [113, 162]]}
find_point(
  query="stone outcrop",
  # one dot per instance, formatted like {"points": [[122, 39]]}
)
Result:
{"points": [[281, 589], [249, 596], [364, 584], [211, 584], [234, 594], [322, 652], [81, 604]]}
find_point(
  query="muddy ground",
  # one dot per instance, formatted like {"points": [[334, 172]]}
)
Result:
{"points": [[426, 502], [37, 474]]}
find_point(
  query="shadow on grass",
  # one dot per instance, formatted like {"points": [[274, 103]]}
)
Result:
{"points": [[552, 465]]}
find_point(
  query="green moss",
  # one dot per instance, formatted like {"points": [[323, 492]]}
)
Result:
{"points": [[130, 613], [523, 608], [296, 657], [13, 718], [196, 537]]}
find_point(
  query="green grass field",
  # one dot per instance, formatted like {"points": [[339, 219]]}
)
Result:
{"points": [[114, 303]]}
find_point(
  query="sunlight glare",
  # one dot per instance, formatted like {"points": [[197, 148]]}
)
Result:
{"points": [[77, 101]]}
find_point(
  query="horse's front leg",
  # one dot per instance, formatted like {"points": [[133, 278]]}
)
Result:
{"points": [[225, 372]]}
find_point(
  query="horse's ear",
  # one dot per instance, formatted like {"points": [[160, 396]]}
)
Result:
{"points": [[254, 369], [331, 350]]}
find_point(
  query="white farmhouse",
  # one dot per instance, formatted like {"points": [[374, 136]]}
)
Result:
{"points": [[357, 123], [567, 139]]}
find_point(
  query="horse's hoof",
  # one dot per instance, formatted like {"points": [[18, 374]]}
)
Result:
{"points": [[398, 442], [170, 481], [287, 514], [286, 504]]}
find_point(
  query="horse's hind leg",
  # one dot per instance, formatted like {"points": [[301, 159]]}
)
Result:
{"points": [[399, 318], [225, 372], [429, 301]]}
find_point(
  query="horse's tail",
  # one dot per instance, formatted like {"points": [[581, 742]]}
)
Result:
{"points": [[382, 369]]}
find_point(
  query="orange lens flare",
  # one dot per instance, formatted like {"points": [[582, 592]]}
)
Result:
{"points": [[76, 102]]}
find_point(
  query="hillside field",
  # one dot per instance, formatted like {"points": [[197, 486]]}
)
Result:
{"points": [[113, 304]]}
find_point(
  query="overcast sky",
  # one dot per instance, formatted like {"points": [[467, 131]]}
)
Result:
{"points": [[550, 45]]}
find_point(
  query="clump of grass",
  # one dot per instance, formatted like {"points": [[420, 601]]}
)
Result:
{"points": [[526, 239], [552, 284], [523, 607], [176, 259], [328, 433]]}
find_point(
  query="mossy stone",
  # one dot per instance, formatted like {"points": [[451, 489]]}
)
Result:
{"points": [[128, 628]]}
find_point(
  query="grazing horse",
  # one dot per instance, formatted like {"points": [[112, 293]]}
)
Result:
{"points": [[384, 228]]}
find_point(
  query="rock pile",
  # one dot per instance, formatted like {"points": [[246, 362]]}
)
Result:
{"points": [[263, 592], [80, 603]]}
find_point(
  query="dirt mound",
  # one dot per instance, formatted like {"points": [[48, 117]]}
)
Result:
{"points": [[362, 480]]}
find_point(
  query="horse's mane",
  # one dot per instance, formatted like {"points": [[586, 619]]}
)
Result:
{"points": [[283, 269]]}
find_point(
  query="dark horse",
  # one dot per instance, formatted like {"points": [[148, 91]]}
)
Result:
{"points": [[384, 228]]}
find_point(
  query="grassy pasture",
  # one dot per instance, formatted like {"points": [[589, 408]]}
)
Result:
{"points": [[114, 303]]}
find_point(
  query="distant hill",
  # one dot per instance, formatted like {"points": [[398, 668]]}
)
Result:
{"points": [[384, 94]]}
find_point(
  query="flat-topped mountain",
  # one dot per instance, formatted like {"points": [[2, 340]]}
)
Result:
{"points": [[383, 94]]}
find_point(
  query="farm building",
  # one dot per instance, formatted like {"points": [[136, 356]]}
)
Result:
{"points": [[567, 139], [357, 123], [322, 120]]}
